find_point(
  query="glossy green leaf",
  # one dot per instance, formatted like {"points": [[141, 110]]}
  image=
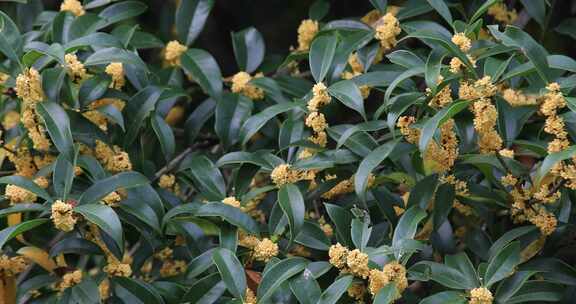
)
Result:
{"points": [[231, 112], [386, 295], [207, 178], [305, 288], [105, 218], [253, 124], [105, 186], [347, 92], [164, 135], [432, 124], [368, 164], [191, 16], [27, 184], [231, 214], [138, 108], [292, 204], [321, 55], [11, 232], [139, 289], [277, 274], [112, 54], [249, 49], [204, 69], [336, 290], [231, 271], [58, 127], [406, 228], [503, 264]]}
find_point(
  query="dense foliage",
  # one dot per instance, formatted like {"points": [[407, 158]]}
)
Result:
{"points": [[421, 153]]}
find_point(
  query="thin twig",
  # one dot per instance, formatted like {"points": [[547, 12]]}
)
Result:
{"points": [[173, 163]]}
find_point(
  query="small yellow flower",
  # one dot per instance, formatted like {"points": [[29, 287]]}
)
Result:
{"points": [[480, 295], [506, 153], [306, 32], [73, 6], [357, 263], [167, 181], [12, 266], [70, 279], [265, 250], [501, 13], [10, 120], [173, 51], [112, 199], [509, 180], [118, 269], [19, 195], [29, 86], [63, 216], [231, 201], [75, 68], [388, 27], [241, 84], [316, 121], [172, 268], [250, 297], [338, 255], [116, 71], [462, 41], [319, 98]]}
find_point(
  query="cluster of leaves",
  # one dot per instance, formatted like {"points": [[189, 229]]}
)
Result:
{"points": [[184, 120]]}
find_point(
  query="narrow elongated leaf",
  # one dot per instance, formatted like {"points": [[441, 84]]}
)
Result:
{"points": [[105, 218], [27, 184], [551, 160], [502, 264], [112, 54], [249, 49], [231, 112], [292, 203], [406, 228], [256, 122], [140, 290], [121, 11], [277, 274], [321, 55], [387, 294], [446, 297], [204, 69], [442, 9], [231, 214], [369, 163], [13, 231], [140, 105], [58, 127], [347, 92], [305, 288], [164, 135], [336, 290], [105, 186], [231, 271], [191, 16], [207, 178]]}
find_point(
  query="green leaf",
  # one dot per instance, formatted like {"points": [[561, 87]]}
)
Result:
{"points": [[93, 88], [515, 37], [256, 122], [321, 55], [102, 40], [511, 285], [406, 228], [360, 233], [121, 11], [212, 289], [508, 237], [336, 290], [481, 10], [22, 208], [446, 297], [249, 49], [566, 27], [368, 164], [433, 66], [503, 264], [138, 108], [52, 82], [74, 245], [305, 288], [438, 120], [27, 184], [105, 218], [13, 231], [231, 214], [536, 9], [58, 127], [139, 289], [10, 37], [113, 114], [164, 135], [319, 9], [398, 80], [112, 54], [374, 125], [191, 16], [551, 160], [349, 94], [423, 191], [231, 271], [380, 5], [446, 275], [231, 112], [342, 220], [442, 9], [204, 69], [443, 201], [292, 203], [207, 178], [103, 187], [387, 294], [313, 237], [462, 263], [63, 175], [277, 274]]}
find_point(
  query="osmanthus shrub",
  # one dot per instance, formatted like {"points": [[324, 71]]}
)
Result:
{"points": [[422, 153]]}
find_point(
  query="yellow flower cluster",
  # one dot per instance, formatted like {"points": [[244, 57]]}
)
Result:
{"points": [[262, 250], [461, 189], [69, 280], [112, 199], [463, 42], [241, 84], [231, 201], [442, 98], [554, 125], [97, 118], [11, 266], [117, 269], [480, 295], [506, 153], [3, 78], [356, 291], [517, 99], [265, 250], [173, 51], [167, 181], [508, 180], [19, 195], [326, 228], [387, 29], [73, 6], [29, 86], [320, 97], [113, 159], [456, 64], [63, 216], [36, 131], [501, 13], [285, 174], [75, 68], [250, 297], [522, 210], [364, 89], [23, 161], [306, 31], [116, 72], [349, 261], [10, 120], [481, 88], [392, 272], [346, 186]]}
